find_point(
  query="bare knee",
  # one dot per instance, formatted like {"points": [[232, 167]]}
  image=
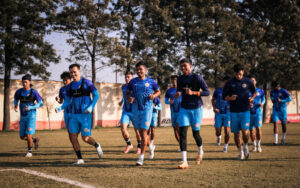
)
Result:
{"points": [[85, 138]]}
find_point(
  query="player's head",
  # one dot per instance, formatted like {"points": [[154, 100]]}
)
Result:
{"points": [[275, 85], [225, 79], [252, 77], [26, 81], [141, 69], [185, 66], [238, 71], [128, 76], [75, 71], [66, 77], [174, 80]]}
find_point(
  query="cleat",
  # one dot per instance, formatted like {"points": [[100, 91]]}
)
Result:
{"points": [[225, 149], [274, 144], [246, 153], [241, 156], [151, 152], [140, 162], [128, 148], [138, 151], [99, 150], [254, 149], [183, 165], [79, 162], [282, 141], [28, 155], [179, 149], [199, 158], [36, 143], [259, 149]]}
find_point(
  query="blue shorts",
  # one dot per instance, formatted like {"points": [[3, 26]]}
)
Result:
{"points": [[27, 124], [126, 118], [154, 120], [255, 120], [239, 121], [80, 123], [142, 118], [67, 117], [279, 115], [174, 117], [191, 117], [222, 120]]}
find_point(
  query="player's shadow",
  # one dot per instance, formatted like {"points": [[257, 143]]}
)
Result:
{"points": [[279, 145]]}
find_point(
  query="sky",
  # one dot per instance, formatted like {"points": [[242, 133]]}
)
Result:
{"points": [[62, 48]]}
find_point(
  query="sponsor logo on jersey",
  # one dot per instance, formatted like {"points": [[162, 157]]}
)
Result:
{"points": [[244, 85], [147, 84]]}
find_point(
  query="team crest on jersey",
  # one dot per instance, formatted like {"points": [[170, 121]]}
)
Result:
{"points": [[257, 93], [247, 124], [147, 84], [244, 85]]}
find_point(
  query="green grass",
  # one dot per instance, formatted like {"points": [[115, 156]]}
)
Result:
{"points": [[276, 166]]}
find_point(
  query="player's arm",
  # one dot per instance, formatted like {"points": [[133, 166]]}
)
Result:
{"points": [[179, 89], [130, 98], [39, 100], [167, 98], [121, 102], [227, 93], [91, 107], [214, 102], [16, 101], [156, 91], [157, 107], [272, 97], [287, 98], [66, 103], [252, 90]]}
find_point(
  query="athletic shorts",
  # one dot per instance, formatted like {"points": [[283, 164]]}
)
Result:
{"points": [[27, 124], [174, 117], [256, 119], [154, 119], [81, 123], [67, 117], [191, 117], [142, 118], [279, 115], [239, 121], [126, 118], [222, 120]]}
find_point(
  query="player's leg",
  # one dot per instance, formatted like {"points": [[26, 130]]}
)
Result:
{"points": [[252, 131], [226, 123], [85, 129], [259, 137], [125, 120], [139, 140], [196, 125], [29, 132], [175, 125], [74, 129], [184, 122], [235, 129], [145, 142], [176, 132], [275, 118], [245, 123], [283, 119], [218, 127]]}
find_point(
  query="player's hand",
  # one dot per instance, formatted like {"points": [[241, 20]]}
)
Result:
{"points": [[188, 91], [279, 100], [58, 109], [233, 97], [120, 103], [26, 109], [130, 100], [57, 99], [251, 100], [151, 97], [261, 105], [171, 101], [216, 110], [16, 108], [177, 95], [251, 105]]}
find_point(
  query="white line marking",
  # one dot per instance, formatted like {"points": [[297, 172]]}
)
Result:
{"points": [[72, 182]]}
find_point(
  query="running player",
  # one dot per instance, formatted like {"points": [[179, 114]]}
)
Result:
{"points": [[153, 124], [222, 115], [66, 77], [127, 116], [30, 100], [141, 92], [236, 90], [279, 99], [256, 116], [78, 96], [188, 86], [174, 105]]}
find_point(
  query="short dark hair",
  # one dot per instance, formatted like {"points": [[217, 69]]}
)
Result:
{"points": [[26, 77], [128, 72], [141, 63], [225, 78], [174, 76], [274, 84], [74, 65], [238, 68], [185, 60], [65, 74]]}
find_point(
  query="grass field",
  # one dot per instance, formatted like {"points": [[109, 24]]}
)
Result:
{"points": [[276, 166]]}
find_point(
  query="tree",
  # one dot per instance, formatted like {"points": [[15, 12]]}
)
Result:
{"points": [[88, 24], [23, 49]]}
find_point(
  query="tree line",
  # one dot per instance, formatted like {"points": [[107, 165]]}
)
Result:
{"points": [[262, 35]]}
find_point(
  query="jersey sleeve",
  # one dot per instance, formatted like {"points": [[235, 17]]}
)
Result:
{"points": [[16, 97], [61, 95], [227, 90], [251, 87], [90, 86], [36, 96], [179, 85], [215, 95], [205, 91], [155, 85]]}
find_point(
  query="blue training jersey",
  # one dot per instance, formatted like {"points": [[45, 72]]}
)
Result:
{"points": [[141, 90], [259, 99], [127, 107], [283, 95], [62, 95], [241, 88], [194, 82], [80, 94], [27, 98], [221, 104], [175, 107]]}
